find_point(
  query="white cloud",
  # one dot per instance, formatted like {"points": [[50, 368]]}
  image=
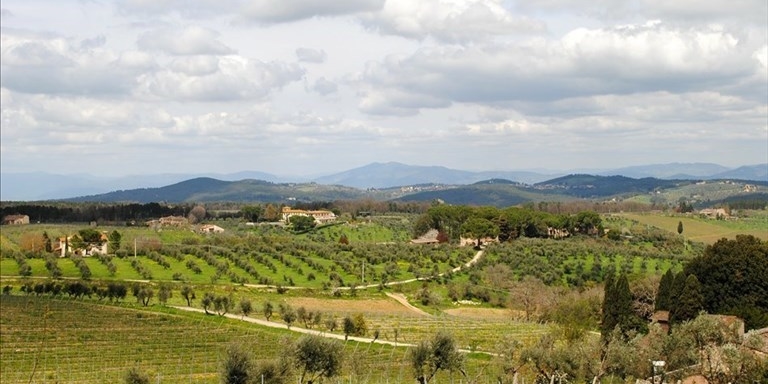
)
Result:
{"points": [[638, 58], [545, 83], [268, 12], [450, 20], [195, 65], [191, 40], [235, 78], [44, 63]]}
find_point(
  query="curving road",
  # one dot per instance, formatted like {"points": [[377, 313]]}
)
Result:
{"points": [[468, 264]]}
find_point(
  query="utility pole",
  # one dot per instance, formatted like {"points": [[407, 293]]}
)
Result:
{"points": [[134, 247], [363, 271]]}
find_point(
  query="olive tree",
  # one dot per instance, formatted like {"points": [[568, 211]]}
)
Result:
{"points": [[440, 353], [236, 366], [267, 310], [245, 306], [288, 314], [188, 293], [317, 357]]}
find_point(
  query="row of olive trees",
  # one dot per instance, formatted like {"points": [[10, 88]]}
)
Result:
{"points": [[313, 358]]}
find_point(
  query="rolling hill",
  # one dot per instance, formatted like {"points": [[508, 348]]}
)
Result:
{"points": [[208, 190], [384, 175], [48, 186]]}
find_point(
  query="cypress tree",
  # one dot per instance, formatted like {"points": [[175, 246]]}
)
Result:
{"points": [[677, 289], [665, 291], [609, 318], [626, 318], [690, 302]]}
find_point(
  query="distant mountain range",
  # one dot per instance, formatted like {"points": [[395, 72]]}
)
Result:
{"points": [[352, 183], [495, 192]]}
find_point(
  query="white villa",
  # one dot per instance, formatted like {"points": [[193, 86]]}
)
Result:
{"points": [[321, 217]]}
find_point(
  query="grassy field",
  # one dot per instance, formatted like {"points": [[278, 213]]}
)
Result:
{"points": [[48, 340], [707, 230]]}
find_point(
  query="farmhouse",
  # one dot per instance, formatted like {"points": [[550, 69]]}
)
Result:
{"points": [[320, 216], [169, 221], [712, 213], [16, 220], [65, 247], [210, 228]]}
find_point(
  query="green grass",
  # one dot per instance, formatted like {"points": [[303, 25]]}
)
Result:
{"points": [[706, 230]]}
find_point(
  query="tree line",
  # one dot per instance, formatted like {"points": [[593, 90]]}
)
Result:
{"points": [[506, 224]]}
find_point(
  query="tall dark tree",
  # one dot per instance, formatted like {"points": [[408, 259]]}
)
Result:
{"points": [[733, 274], [47, 242], [609, 318], [617, 308], [628, 320], [114, 241], [678, 284], [690, 302], [665, 291]]}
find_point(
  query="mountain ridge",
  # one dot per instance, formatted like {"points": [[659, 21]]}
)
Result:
{"points": [[46, 186]]}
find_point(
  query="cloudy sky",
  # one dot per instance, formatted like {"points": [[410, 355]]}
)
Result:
{"points": [[300, 87]]}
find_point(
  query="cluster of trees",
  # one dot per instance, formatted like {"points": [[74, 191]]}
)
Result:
{"points": [[729, 278], [617, 311], [88, 212], [507, 224], [704, 344], [75, 289], [36, 243], [312, 358]]}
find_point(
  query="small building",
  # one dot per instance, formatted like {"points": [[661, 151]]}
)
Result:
{"points": [[169, 221], [661, 318], [320, 216], [64, 247], [467, 241], [16, 220], [210, 228], [714, 213]]}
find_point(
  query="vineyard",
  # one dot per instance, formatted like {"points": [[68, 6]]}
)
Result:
{"points": [[58, 340], [91, 319]]}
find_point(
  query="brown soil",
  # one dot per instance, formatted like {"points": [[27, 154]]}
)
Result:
{"points": [[372, 306]]}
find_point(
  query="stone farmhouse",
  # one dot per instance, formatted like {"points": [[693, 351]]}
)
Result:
{"points": [[64, 247], [16, 220], [169, 221], [320, 216], [210, 228], [714, 213]]}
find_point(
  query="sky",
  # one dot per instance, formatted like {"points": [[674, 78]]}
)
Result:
{"points": [[295, 87]]}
